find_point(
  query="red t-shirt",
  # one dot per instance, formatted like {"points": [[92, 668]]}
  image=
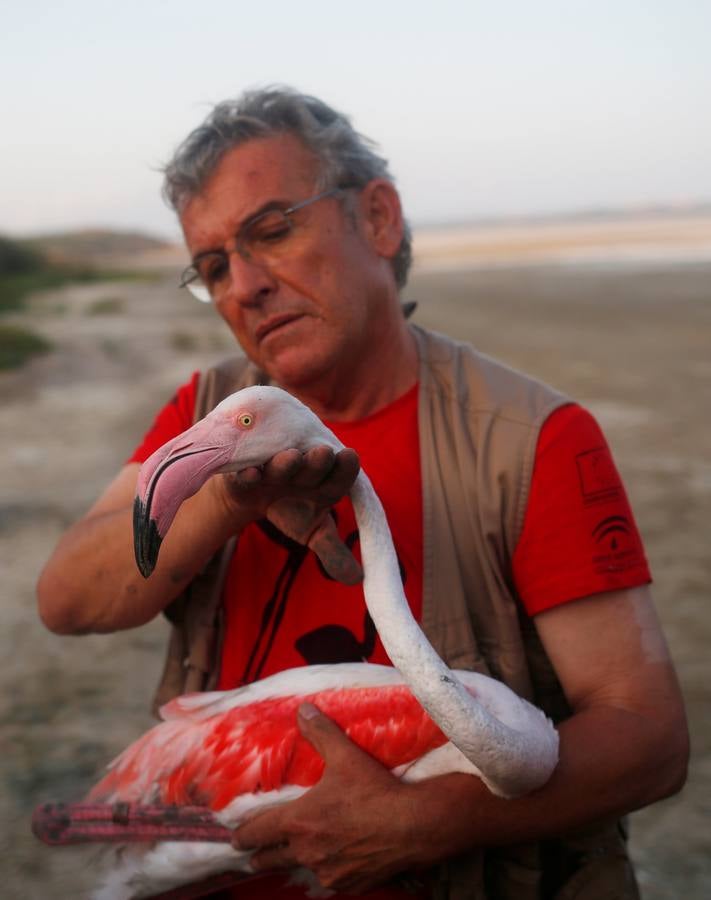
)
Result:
{"points": [[282, 610], [579, 535]]}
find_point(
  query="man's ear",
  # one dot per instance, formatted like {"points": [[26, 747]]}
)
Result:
{"points": [[382, 216]]}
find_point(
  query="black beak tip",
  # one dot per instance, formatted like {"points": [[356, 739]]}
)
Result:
{"points": [[146, 539]]}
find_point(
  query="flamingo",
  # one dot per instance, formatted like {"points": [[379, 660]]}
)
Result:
{"points": [[240, 751]]}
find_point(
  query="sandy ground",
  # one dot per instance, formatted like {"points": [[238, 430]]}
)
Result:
{"points": [[632, 342]]}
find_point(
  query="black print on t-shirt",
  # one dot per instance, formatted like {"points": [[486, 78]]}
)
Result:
{"points": [[336, 644], [324, 645], [275, 607]]}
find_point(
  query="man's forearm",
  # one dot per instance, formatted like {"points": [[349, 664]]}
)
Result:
{"points": [[612, 761], [359, 825], [92, 583]]}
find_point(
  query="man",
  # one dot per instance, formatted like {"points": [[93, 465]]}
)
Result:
{"points": [[297, 236]]}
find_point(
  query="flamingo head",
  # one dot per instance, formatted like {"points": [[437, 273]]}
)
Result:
{"points": [[246, 429]]}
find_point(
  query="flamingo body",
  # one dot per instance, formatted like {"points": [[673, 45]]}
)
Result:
{"points": [[238, 751], [212, 748]]}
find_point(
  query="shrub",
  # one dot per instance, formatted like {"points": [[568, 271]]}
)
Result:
{"points": [[17, 345], [106, 306], [18, 259]]}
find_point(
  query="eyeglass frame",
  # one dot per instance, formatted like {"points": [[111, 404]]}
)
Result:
{"points": [[190, 274]]}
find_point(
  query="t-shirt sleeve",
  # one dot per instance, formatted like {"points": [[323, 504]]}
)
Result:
{"points": [[579, 535], [174, 418]]}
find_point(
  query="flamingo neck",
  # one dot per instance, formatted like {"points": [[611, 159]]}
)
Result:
{"points": [[511, 762]]}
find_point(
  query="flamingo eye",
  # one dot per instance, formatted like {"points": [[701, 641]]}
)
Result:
{"points": [[246, 420]]}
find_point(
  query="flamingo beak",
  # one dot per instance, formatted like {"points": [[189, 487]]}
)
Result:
{"points": [[173, 473]]}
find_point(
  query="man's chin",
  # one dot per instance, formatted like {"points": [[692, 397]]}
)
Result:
{"points": [[296, 368]]}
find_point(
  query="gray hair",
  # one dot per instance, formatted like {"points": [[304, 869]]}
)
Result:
{"points": [[346, 157]]}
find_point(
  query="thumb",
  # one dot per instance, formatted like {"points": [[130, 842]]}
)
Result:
{"points": [[322, 733], [336, 558]]}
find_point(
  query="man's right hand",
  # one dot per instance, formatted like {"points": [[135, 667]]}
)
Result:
{"points": [[295, 491]]}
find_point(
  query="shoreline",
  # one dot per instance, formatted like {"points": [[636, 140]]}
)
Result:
{"points": [[643, 242]]}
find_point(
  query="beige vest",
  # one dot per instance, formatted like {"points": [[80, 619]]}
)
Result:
{"points": [[479, 423]]}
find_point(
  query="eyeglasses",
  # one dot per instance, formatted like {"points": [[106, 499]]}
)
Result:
{"points": [[264, 240]]}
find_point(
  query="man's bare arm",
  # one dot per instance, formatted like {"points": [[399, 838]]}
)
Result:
{"points": [[625, 746], [91, 582]]}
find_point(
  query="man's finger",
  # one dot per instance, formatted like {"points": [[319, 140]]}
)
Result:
{"points": [[279, 857], [245, 478], [323, 734], [317, 465], [265, 829], [336, 558], [343, 474], [283, 466]]}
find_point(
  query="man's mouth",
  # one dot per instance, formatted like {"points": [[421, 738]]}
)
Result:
{"points": [[273, 323]]}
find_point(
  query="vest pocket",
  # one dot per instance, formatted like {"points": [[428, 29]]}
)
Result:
{"points": [[590, 865], [609, 877]]}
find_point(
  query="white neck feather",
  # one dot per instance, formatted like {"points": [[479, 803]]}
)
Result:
{"points": [[511, 761]]}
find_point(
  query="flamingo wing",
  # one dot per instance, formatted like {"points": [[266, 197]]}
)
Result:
{"points": [[256, 748]]}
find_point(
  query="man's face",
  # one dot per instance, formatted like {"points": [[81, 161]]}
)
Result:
{"points": [[311, 315]]}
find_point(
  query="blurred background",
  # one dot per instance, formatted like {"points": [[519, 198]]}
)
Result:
{"points": [[553, 159]]}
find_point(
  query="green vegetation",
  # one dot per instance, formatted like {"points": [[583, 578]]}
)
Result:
{"points": [[28, 266], [20, 267], [183, 341], [111, 347], [106, 306], [93, 244], [18, 258], [18, 344], [24, 269]]}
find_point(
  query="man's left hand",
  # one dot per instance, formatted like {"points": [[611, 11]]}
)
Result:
{"points": [[352, 829]]}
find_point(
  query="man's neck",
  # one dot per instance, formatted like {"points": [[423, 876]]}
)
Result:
{"points": [[378, 380]]}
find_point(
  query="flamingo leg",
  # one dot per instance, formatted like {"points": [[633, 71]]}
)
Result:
{"points": [[78, 823]]}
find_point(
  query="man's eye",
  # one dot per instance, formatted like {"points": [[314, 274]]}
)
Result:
{"points": [[270, 230], [213, 269]]}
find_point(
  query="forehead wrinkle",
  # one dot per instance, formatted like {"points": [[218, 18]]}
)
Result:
{"points": [[282, 171], [268, 206], [280, 157]]}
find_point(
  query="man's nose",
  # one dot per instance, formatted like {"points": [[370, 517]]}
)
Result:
{"points": [[250, 281]]}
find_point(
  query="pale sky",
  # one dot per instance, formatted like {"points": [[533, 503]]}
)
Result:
{"points": [[493, 108]]}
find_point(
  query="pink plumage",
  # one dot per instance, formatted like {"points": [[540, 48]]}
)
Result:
{"points": [[235, 752], [194, 758]]}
